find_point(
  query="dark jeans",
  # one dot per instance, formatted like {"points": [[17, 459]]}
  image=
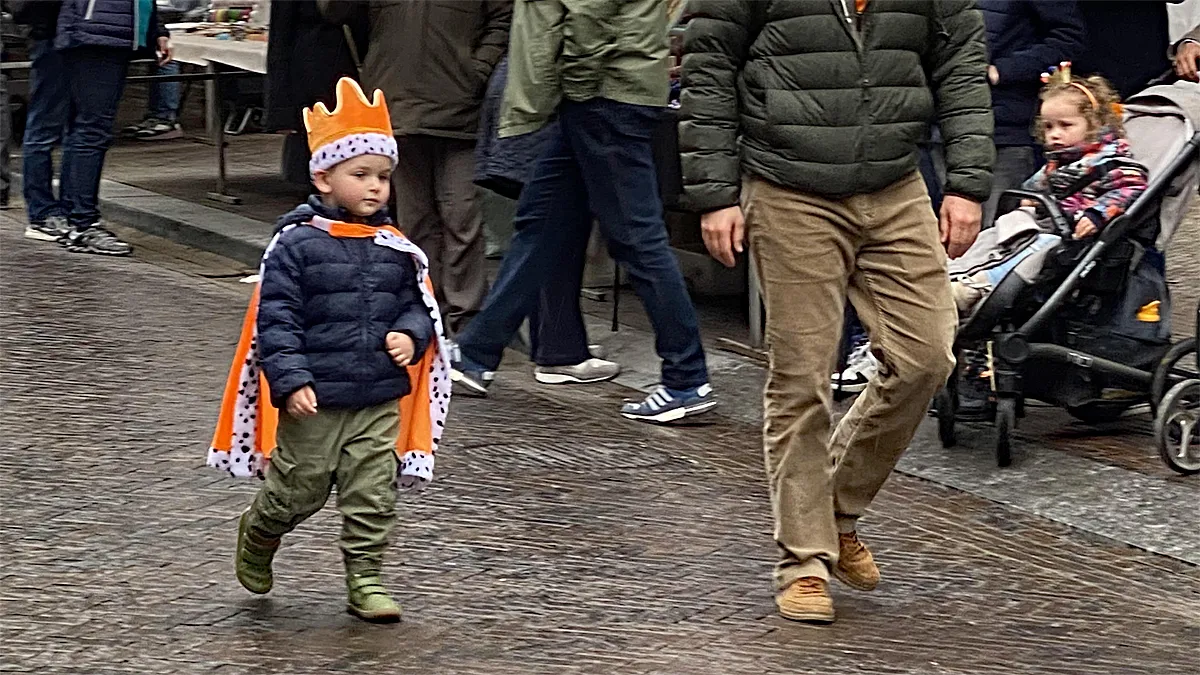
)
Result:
{"points": [[1014, 164], [597, 163], [45, 127], [163, 102], [5, 139], [96, 78]]}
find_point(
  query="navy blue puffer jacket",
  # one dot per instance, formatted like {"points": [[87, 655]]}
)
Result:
{"points": [[1025, 37], [326, 305], [104, 23]]}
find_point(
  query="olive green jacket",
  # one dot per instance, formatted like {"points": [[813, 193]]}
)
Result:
{"points": [[580, 50], [796, 93]]}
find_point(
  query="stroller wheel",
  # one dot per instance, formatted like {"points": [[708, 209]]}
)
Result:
{"points": [[945, 406], [1177, 428], [1179, 364], [1006, 422]]}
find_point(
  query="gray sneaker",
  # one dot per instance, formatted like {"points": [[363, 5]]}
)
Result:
{"points": [[97, 240], [592, 370], [53, 229], [160, 130]]}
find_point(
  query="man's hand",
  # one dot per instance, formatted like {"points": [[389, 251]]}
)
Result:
{"points": [[724, 234], [960, 221], [302, 402], [1085, 228], [1185, 61], [400, 347], [166, 52], [993, 75]]}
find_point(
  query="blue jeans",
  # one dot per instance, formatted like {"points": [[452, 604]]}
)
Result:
{"points": [[597, 163], [96, 79], [45, 127], [163, 103]]}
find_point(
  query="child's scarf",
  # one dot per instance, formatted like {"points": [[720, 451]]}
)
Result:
{"points": [[246, 425]]}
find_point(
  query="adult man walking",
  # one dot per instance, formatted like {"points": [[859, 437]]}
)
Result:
{"points": [[433, 58], [602, 68], [809, 114]]}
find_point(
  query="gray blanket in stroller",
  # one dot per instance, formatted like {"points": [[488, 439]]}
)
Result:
{"points": [[1016, 244]]}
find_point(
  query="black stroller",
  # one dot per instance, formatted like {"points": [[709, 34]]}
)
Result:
{"points": [[1089, 330]]}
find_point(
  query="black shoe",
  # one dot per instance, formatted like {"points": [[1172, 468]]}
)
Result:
{"points": [[975, 395], [95, 240]]}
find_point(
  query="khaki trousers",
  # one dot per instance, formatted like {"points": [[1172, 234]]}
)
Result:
{"points": [[438, 208], [353, 449], [883, 251]]}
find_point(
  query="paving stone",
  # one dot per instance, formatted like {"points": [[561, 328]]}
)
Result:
{"points": [[556, 539]]}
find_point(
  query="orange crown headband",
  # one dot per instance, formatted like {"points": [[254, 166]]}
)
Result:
{"points": [[1061, 74]]}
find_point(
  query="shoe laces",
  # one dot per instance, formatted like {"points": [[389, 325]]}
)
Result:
{"points": [[808, 586], [852, 548]]}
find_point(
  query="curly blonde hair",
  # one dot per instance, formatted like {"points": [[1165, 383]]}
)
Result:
{"points": [[1102, 109]]}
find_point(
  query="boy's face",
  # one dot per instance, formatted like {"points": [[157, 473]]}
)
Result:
{"points": [[360, 185]]}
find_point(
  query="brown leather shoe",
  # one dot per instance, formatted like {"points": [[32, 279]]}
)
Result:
{"points": [[856, 567], [807, 599]]}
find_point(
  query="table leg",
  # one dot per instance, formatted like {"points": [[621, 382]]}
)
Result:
{"points": [[219, 139], [212, 106]]}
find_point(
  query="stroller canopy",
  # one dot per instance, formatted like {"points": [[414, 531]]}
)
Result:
{"points": [[1159, 122]]}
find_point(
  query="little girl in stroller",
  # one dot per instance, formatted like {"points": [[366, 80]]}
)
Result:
{"points": [[1090, 174]]}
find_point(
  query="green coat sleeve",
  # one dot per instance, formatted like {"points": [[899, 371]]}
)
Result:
{"points": [[958, 73], [715, 48]]}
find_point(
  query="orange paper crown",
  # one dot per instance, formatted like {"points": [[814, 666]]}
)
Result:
{"points": [[354, 115]]}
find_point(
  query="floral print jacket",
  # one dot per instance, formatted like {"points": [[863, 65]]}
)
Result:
{"points": [[1099, 180]]}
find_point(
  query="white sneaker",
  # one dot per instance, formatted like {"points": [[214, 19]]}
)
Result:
{"points": [[592, 370], [860, 368]]}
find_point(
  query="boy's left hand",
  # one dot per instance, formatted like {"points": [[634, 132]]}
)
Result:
{"points": [[1085, 228], [400, 347]]}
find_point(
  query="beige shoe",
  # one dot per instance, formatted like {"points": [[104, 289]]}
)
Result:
{"points": [[807, 599], [856, 567]]}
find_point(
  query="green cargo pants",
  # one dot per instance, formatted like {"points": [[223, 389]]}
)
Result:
{"points": [[353, 449]]}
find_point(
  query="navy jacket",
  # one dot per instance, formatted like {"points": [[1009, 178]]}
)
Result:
{"points": [[103, 23], [1127, 42], [1025, 37], [326, 305]]}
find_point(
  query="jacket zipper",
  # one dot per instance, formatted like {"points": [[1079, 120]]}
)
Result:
{"points": [[92, 9]]}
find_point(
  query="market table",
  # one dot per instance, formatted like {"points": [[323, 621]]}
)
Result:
{"points": [[248, 56]]}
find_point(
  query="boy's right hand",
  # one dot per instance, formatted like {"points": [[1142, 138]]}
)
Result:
{"points": [[302, 402]]}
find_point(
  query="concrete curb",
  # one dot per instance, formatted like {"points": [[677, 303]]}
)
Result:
{"points": [[209, 229]]}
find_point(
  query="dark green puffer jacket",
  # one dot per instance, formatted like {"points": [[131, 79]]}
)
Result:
{"points": [[791, 91]]}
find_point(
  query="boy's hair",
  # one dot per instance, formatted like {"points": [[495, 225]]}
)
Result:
{"points": [[1095, 97]]}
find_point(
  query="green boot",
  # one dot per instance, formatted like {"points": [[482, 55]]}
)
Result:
{"points": [[253, 559], [369, 600]]}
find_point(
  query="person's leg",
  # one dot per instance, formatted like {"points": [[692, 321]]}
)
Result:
{"points": [[162, 110], [5, 139], [366, 497], [96, 79], [464, 275], [366, 473], [803, 247], [612, 142], [298, 481], [45, 124], [416, 211], [557, 332], [1014, 164], [902, 293], [163, 101], [547, 225]]}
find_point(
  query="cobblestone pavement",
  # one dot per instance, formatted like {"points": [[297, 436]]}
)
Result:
{"points": [[556, 539]]}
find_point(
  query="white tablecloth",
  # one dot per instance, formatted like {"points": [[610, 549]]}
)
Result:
{"points": [[246, 54]]}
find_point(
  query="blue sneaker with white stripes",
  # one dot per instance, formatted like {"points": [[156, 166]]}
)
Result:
{"points": [[671, 405]]}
